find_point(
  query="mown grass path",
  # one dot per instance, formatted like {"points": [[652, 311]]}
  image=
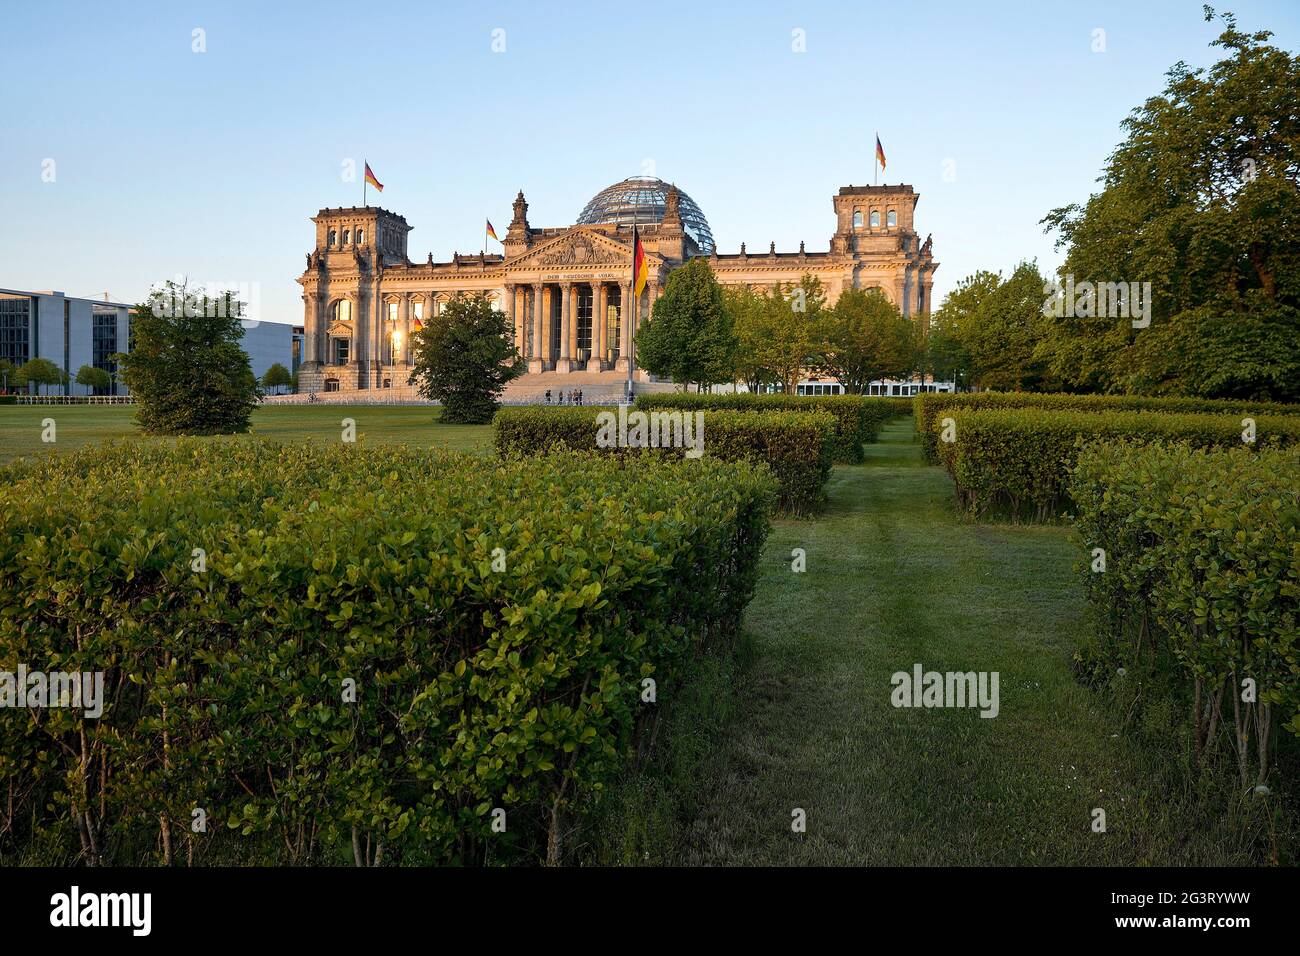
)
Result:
{"points": [[895, 577]]}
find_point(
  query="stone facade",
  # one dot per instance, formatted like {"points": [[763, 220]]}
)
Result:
{"points": [[363, 295]]}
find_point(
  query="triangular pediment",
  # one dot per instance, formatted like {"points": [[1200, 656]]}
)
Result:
{"points": [[575, 247]]}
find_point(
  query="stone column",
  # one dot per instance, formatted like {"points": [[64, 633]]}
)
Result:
{"points": [[403, 324], [597, 293], [624, 328], [602, 330], [521, 318], [512, 310], [310, 329], [574, 294], [562, 363], [535, 358]]}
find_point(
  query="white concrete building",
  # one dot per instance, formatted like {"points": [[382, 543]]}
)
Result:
{"points": [[73, 332], [69, 332]]}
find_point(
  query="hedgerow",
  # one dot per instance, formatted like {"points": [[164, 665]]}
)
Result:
{"points": [[929, 406], [794, 446], [1015, 459], [495, 619], [858, 418], [1197, 566]]}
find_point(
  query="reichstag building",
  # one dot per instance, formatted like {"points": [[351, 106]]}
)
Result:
{"points": [[567, 288]]}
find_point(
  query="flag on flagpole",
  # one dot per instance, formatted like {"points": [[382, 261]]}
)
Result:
{"points": [[490, 231], [638, 264], [880, 152], [370, 178]]}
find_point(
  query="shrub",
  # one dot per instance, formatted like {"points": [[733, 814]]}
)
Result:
{"points": [[927, 407], [1015, 458], [187, 369], [1200, 566], [498, 623], [858, 419], [795, 446]]}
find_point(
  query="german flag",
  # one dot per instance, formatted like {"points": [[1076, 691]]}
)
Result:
{"points": [[880, 152], [490, 231], [370, 178], [638, 263]]}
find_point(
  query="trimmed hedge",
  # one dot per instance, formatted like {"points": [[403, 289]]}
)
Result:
{"points": [[858, 418], [484, 678], [1202, 568], [928, 406], [795, 446], [1018, 458]]}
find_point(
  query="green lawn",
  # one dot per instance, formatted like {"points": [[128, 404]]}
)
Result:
{"points": [[77, 425], [804, 719]]}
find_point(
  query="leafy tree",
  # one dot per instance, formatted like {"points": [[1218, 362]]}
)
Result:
{"points": [[1202, 201], [188, 371], [464, 357], [946, 358], [276, 376], [6, 372], [864, 338], [992, 326], [690, 337], [752, 322], [39, 372], [93, 378]]}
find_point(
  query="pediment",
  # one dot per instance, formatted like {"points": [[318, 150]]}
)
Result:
{"points": [[575, 247], [340, 328]]}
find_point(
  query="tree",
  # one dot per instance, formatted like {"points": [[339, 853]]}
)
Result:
{"points": [[39, 372], [276, 376], [464, 357], [751, 320], [187, 370], [93, 378], [1201, 201], [690, 337], [865, 338], [992, 326], [945, 356]]}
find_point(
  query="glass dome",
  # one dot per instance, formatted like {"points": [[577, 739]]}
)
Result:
{"points": [[642, 199]]}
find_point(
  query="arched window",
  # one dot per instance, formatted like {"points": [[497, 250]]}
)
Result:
{"points": [[341, 311], [891, 219], [857, 219], [361, 237], [875, 219], [334, 237]]}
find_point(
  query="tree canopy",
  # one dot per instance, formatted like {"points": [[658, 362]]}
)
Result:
{"points": [[187, 369], [1202, 201], [865, 338], [464, 357], [93, 378], [690, 336]]}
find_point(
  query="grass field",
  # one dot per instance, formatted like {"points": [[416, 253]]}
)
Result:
{"points": [[77, 425], [800, 716]]}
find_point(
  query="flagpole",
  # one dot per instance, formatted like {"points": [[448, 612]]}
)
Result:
{"points": [[365, 163], [627, 310], [875, 163]]}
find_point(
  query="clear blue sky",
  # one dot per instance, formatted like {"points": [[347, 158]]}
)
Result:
{"points": [[170, 161]]}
